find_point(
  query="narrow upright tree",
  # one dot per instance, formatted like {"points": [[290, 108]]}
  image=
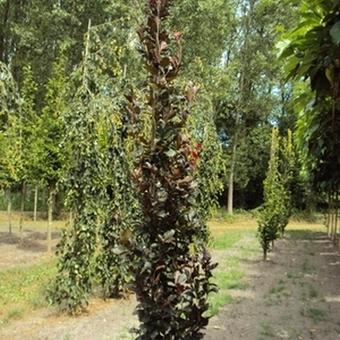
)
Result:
{"points": [[286, 168], [171, 282], [270, 213]]}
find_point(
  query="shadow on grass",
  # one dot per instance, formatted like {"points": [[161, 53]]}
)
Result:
{"points": [[7, 238], [33, 241], [305, 234]]}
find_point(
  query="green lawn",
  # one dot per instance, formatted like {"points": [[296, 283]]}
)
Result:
{"points": [[24, 289]]}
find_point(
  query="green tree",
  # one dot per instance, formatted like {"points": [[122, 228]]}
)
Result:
{"points": [[287, 170], [270, 214], [9, 141], [247, 93], [49, 156]]}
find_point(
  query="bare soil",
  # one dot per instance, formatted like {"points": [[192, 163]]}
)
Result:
{"points": [[31, 249], [109, 320], [294, 295]]}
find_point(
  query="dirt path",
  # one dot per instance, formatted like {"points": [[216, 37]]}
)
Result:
{"points": [[110, 320], [295, 295], [31, 250]]}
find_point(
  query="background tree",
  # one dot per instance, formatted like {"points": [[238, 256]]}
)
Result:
{"points": [[248, 99], [271, 212], [9, 146], [287, 169], [49, 154]]}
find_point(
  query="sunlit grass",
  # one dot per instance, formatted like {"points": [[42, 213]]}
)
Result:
{"points": [[24, 289], [39, 225]]}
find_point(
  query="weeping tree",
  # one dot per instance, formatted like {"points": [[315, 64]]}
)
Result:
{"points": [[208, 151], [120, 214], [270, 214], [100, 194], [82, 183], [171, 279], [119, 209]]}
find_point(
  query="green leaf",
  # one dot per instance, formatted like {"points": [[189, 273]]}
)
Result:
{"points": [[335, 33], [171, 153]]}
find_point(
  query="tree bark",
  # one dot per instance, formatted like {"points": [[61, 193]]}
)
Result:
{"points": [[50, 218], [35, 204], [336, 211], [9, 210], [328, 218], [231, 181], [3, 30], [22, 209]]}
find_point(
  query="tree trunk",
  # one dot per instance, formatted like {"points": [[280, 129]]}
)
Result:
{"points": [[50, 218], [35, 204], [9, 210], [328, 217], [332, 218], [265, 255], [3, 31], [22, 209], [232, 174], [336, 212]]}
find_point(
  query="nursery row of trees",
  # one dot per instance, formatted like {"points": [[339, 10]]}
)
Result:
{"points": [[310, 51], [140, 148], [233, 62]]}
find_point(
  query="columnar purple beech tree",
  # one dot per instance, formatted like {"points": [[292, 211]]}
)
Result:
{"points": [[172, 280]]}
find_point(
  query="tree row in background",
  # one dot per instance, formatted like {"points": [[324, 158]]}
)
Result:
{"points": [[238, 106]]}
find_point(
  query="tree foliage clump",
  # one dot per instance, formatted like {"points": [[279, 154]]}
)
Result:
{"points": [[171, 282], [99, 192], [118, 211], [83, 185], [9, 132], [312, 51], [270, 215], [287, 170]]}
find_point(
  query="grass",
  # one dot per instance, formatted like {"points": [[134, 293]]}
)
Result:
{"points": [[278, 289], [39, 225], [316, 314], [313, 292], [337, 327], [267, 329], [23, 290], [229, 274]]}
